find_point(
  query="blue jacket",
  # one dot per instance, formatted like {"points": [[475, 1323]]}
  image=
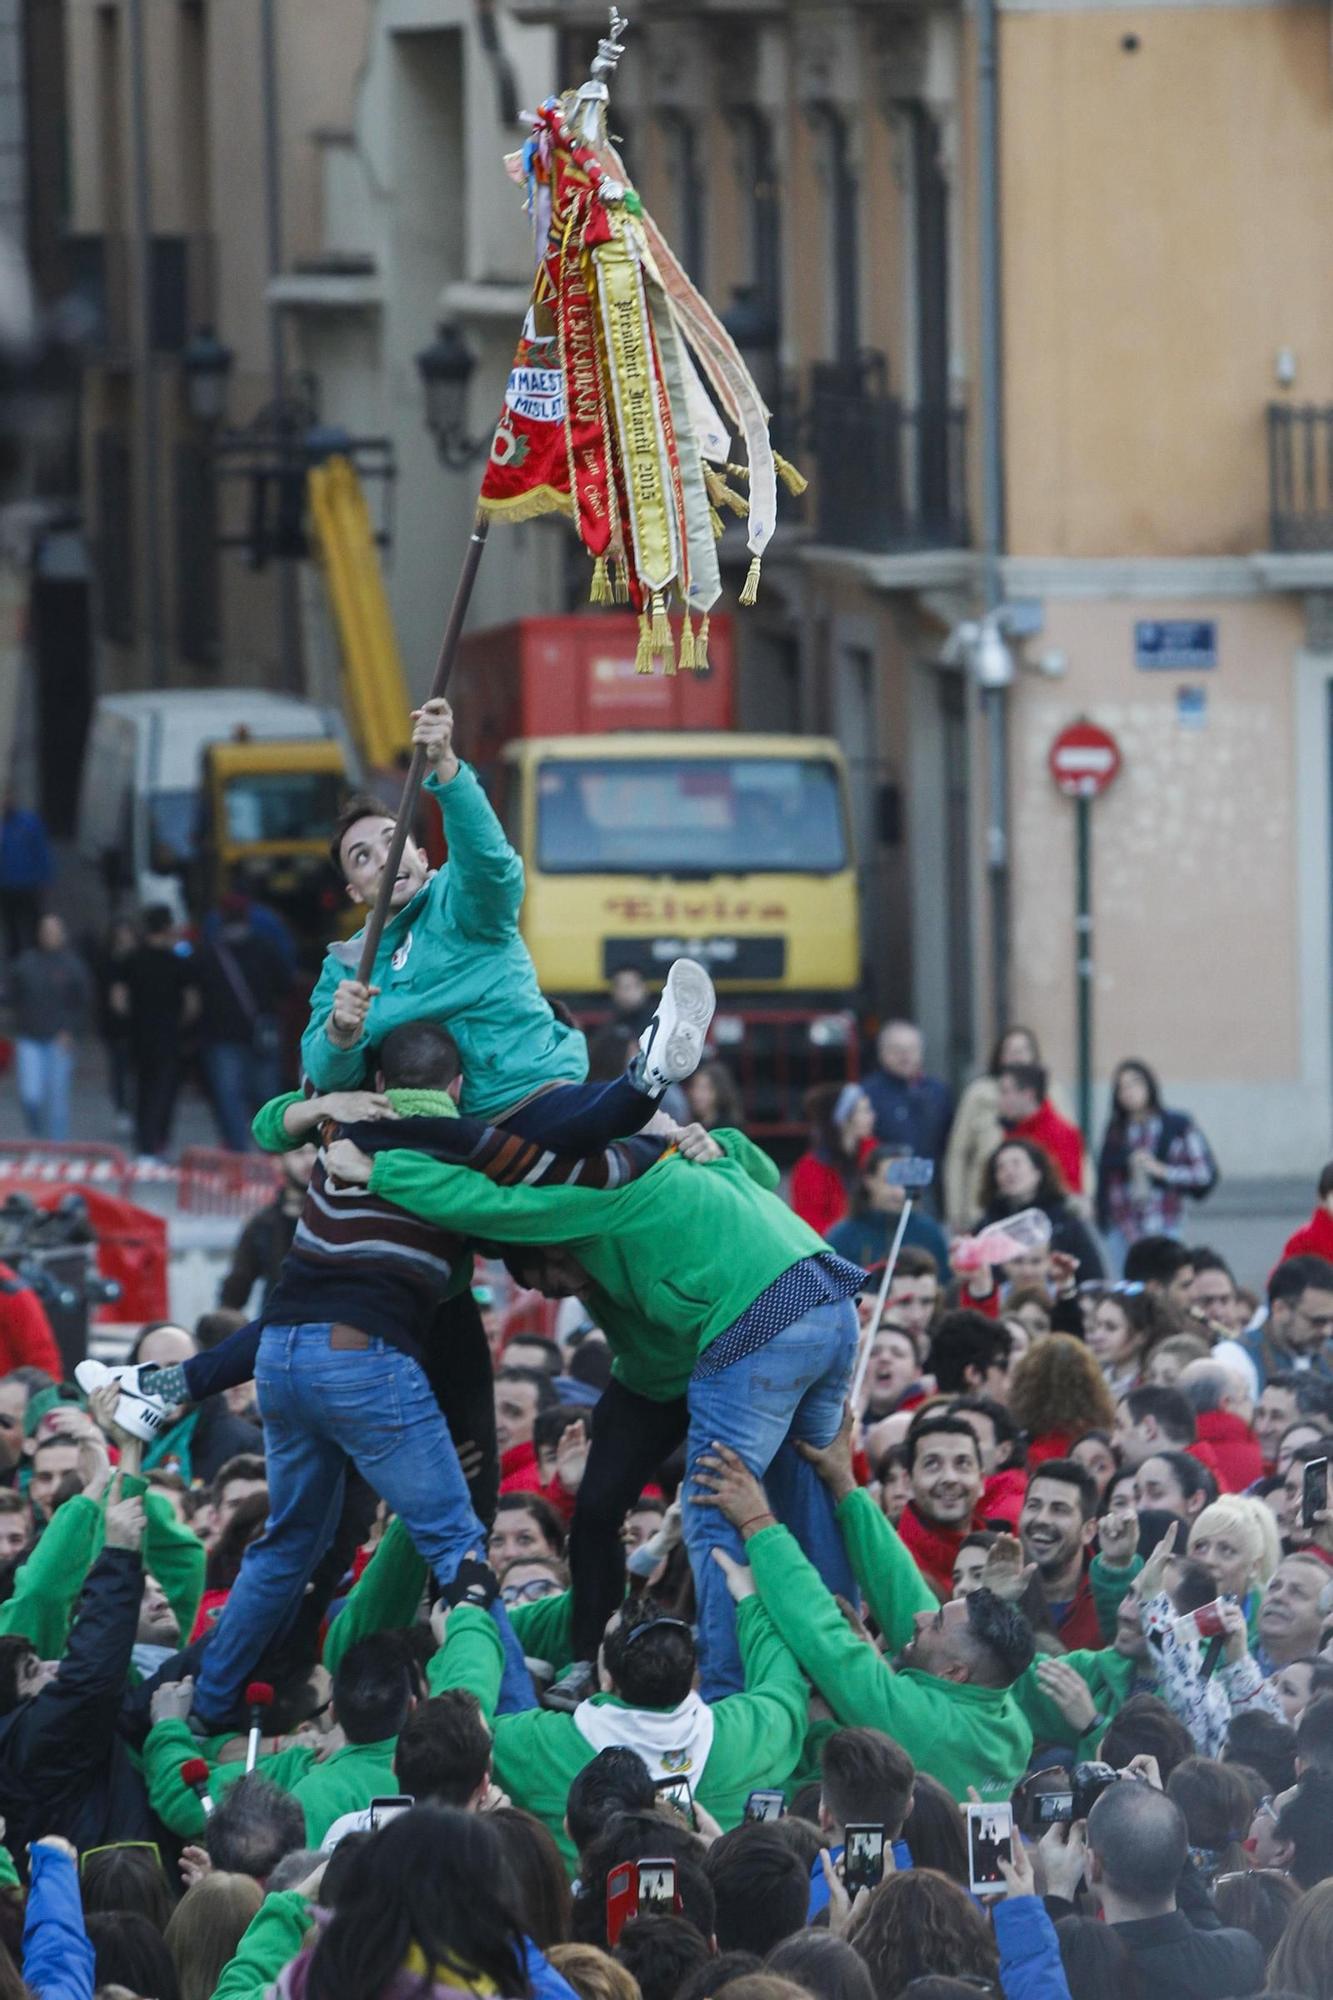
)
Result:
{"points": [[917, 1114], [902, 1860], [1030, 1964], [57, 1957], [25, 854]]}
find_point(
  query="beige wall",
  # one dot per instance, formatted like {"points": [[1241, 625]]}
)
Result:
{"points": [[1166, 231]]}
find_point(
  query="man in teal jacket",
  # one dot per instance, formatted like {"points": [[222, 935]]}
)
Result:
{"points": [[948, 1698], [709, 1290]]}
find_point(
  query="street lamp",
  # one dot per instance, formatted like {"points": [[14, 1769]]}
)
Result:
{"points": [[446, 367], [207, 365]]}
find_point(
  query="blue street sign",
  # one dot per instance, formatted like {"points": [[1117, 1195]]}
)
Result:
{"points": [[1177, 645]]}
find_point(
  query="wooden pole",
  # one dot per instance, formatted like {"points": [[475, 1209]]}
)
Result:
{"points": [[416, 770]]}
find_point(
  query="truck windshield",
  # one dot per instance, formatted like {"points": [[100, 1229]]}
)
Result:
{"points": [[694, 816], [281, 805]]}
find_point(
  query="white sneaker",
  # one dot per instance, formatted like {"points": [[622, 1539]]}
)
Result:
{"points": [[674, 1044], [142, 1415]]}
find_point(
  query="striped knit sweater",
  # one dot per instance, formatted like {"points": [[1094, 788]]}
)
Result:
{"points": [[360, 1260]]}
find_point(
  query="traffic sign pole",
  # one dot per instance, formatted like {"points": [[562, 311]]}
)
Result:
{"points": [[1084, 760]]}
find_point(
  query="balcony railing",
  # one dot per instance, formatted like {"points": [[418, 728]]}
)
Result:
{"points": [[890, 478], [1300, 477]]}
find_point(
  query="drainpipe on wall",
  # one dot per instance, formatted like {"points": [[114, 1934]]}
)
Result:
{"points": [[994, 697], [150, 428], [288, 580]]}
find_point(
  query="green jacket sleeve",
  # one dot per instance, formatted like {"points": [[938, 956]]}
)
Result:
{"points": [[47, 1587], [894, 1587], [171, 1743], [9, 1874], [471, 1657], [331, 1068], [760, 1733], [1108, 1587], [546, 1628], [384, 1598], [175, 1555], [270, 1134], [851, 1676], [754, 1159], [469, 1202], [485, 875], [276, 1934]]}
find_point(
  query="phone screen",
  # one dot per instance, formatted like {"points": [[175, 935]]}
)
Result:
{"points": [[677, 1790], [1314, 1491], [657, 1888], [765, 1805], [383, 1810], [990, 1836], [863, 1858], [1053, 1808]]}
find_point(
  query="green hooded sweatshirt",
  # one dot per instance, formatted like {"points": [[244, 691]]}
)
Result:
{"points": [[344, 1782], [675, 1257], [757, 1736], [960, 1734], [454, 955]]}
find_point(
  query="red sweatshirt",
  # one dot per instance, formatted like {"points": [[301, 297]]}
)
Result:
{"points": [[818, 1193], [1234, 1453], [934, 1550], [1315, 1239], [1056, 1136], [26, 1339]]}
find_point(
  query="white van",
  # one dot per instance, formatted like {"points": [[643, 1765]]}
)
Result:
{"points": [[140, 797]]}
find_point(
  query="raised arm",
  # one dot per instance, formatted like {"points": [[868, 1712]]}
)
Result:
{"points": [[485, 876]]}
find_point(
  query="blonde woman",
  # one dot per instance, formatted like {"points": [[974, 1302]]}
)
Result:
{"points": [[1236, 1540]]}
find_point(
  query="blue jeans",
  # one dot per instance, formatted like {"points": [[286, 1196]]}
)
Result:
{"points": [[240, 1080], [582, 1117], [44, 1073], [322, 1407], [792, 1387]]}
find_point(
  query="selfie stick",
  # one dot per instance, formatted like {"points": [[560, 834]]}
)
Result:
{"points": [[872, 1324]]}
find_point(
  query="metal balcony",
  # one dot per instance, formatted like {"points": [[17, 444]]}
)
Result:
{"points": [[890, 478], [1300, 477]]}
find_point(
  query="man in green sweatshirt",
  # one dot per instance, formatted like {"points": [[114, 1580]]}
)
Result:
{"points": [[709, 1290], [725, 1749], [948, 1697]]}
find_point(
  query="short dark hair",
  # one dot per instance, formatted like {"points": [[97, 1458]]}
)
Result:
{"points": [[615, 1780], [1068, 1472], [660, 1953], [547, 1393], [542, 1512], [372, 1689], [1190, 1476], [552, 1423], [914, 1262], [1145, 1725], [937, 1425], [1314, 1733], [551, 1358], [1155, 1260], [1295, 1275], [444, 1749], [241, 1465], [715, 1973], [1266, 1744], [966, 1339], [1029, 1077], [822, 1965], [1170, 1409], [649, 1655], [1003, 1636], [867, 1777], [759, 1887], [1205, 1259], [15, 1651], [1306, 1820], [634, 1836], [212, 1328], [252, 1826], [1002, 1422], [359, 805], [419, 1055], [1141, 1839]]}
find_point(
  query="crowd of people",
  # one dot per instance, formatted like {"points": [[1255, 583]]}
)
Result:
{"points": [[560, 1566]]}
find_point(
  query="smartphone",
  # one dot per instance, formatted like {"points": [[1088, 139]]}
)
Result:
{"points": [[658, 1895], [1314, 1491], [1052, 1808], [990, 1840], [677, 1792], [644, 1888], [383, 1810], [914, 1175], [863, 1858], [765, 1805]]}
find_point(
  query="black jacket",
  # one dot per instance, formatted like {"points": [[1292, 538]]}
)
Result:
{"points": [[260, 1249], [1188, 1964], [63, 1767]]}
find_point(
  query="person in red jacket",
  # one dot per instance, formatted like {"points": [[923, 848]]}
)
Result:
{"points": [[944, 1465], [842, 1132], [1223, 1414], [1026, 1112], [1315, 1237], [26, 1339], [519, 1394], [1056, 1528]]}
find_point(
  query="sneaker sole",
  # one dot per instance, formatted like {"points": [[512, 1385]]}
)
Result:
{"points": [[689, 992]]}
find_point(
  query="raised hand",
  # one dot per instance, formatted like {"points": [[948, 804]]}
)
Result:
{"points": [[351, 1005], [1004, 1572]]}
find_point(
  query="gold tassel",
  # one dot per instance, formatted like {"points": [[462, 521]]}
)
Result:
{"points": [[661, 625], [717, 524], [741, 472], [701, 665], [794, 481], [721, 494], [600, 592], [643, 653], [750, 594], [686, 645], [620, 569]]}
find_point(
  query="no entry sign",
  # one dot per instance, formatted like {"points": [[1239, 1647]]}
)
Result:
{"points": [[1084, 760]]}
